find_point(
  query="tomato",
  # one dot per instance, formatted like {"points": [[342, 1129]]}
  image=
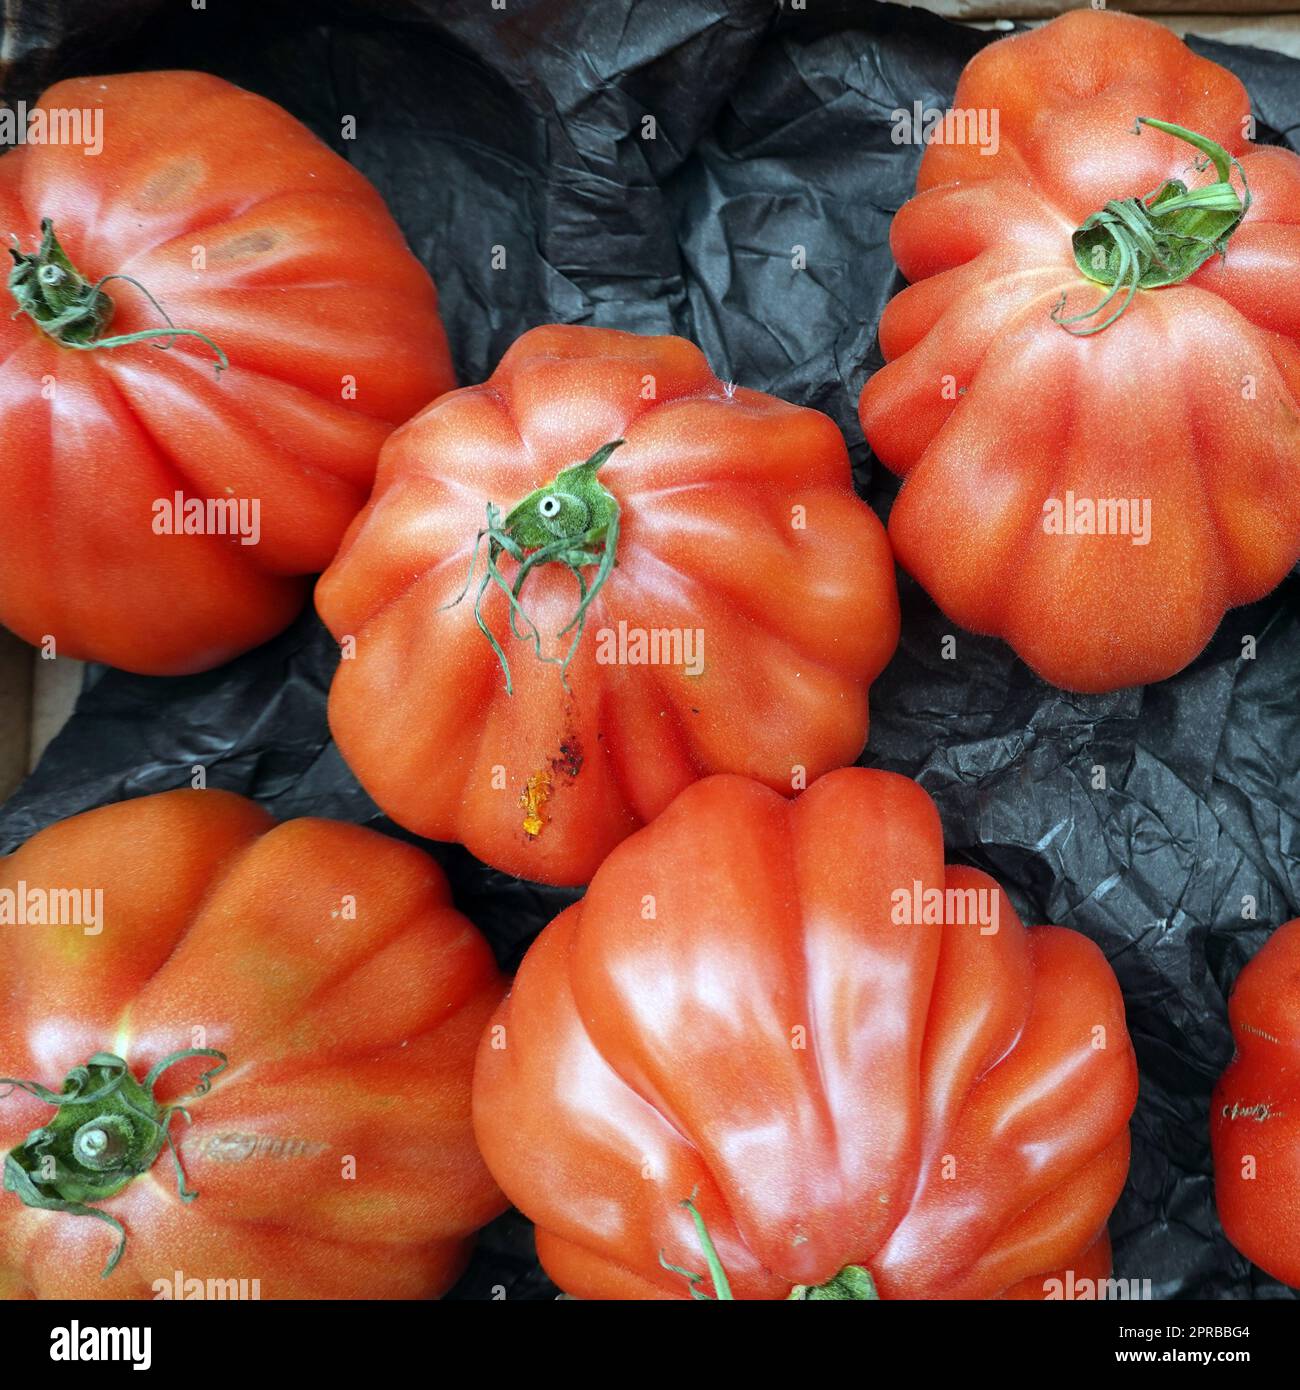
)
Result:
{"points": [[739, 600], [317, 976], [1098, 494], [1255, 1113], [154, 514], [772, 1009]]}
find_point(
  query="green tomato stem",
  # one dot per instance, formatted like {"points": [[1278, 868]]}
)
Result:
{"points": [[571, 521], [67, 307], [1158, 240], [853, 1283], [108, 1129]]}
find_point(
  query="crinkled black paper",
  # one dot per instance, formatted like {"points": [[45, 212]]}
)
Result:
{"points": [[524, 128]]}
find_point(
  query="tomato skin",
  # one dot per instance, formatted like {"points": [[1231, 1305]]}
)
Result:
{"points": [[306, 282], [1255, 1111], [1154, 407], [797, 620], [641, 1058], [345, 1037]]}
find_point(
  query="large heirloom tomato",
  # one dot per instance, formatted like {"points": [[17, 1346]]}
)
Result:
{"points": [[1255, 1115], [155, 514], [696, 586], [309, 996], [849, 1060], [1097, 490]]}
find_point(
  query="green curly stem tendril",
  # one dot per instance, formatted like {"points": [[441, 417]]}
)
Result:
{"points": [[108, 1130], [853, 1283], [54, 294], [1161, 239], [572, 521]]}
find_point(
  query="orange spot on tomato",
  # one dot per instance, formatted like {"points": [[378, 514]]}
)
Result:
{"points": [[533, 799]]}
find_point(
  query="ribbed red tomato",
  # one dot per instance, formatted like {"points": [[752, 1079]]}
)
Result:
{"points": [[854, 1061], [243, 227], [319, 976], [1098, 501], [1255, 1114], [741, 601]]}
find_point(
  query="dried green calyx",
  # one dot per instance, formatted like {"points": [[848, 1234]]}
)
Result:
{"points": [[1161, 239], [72, 310], [852, 1284], [572, 521], [108, 1129]]}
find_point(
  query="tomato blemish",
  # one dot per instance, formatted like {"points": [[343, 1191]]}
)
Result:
{"points": [[536, 793], [570, 760]]}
